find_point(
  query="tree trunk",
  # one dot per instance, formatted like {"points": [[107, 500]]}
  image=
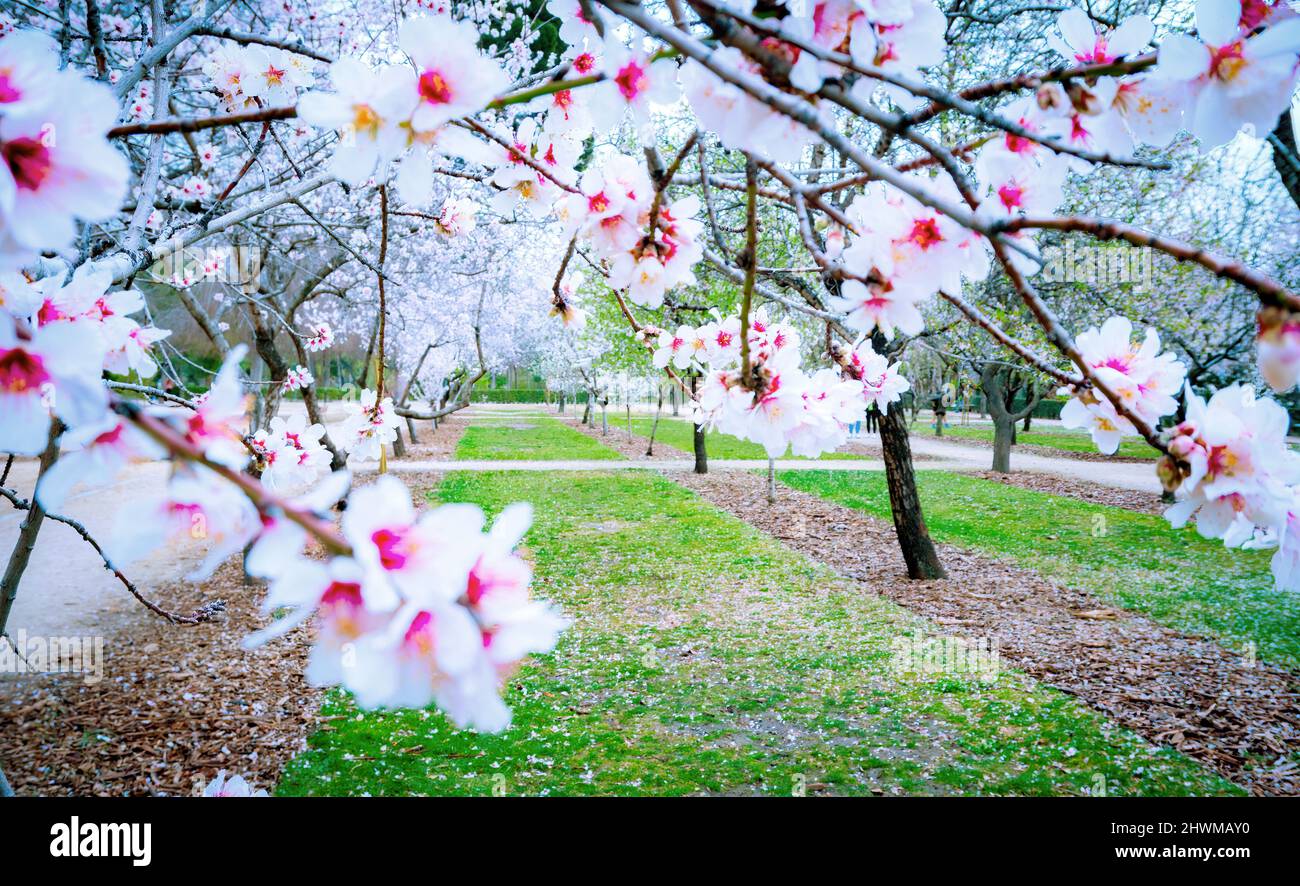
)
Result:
{"points": [[264, 343], [1286, 156], [697, 438], [654, 428], [27, 532], [771, 481], [410, 429], [1003, 432], [993, 385], [399, 445], [909, 523]]}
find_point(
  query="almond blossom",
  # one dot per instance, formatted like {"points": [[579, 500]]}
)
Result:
{"points": [[1236, 78], [297, 378], [368, 108], [320, 339], [56, 167], [52, 371], [1236, 475], [231, 786], [1144, 379], [452, 79], [370, 428], [1081, 42], [1278, 349]]}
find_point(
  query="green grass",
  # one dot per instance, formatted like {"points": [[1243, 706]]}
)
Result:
{"points": [[679, 433], [528, 435], [707, 658], [1136, 561], [1050, 436]]}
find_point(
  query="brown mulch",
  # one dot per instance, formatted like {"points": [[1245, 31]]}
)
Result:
{"points": [[1095, 493], [1185, 692], [436, 445], [177, 703]]}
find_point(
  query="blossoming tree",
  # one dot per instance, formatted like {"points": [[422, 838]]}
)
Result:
{"points": [[638, 144]]}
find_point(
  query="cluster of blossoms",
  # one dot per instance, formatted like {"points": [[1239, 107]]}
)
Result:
{"points": [[289, 452], [56, 166], [253, 76], [1232, 469], [427, 607], [396, 111], [320, 339], [370, 428], [55, 342], [297, 378], [1145, 381], [777, 404], [611, 211], [457, 217]]}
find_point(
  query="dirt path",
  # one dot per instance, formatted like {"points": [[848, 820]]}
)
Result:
{"points": [[66, 590], [168, 705], [1189, 693]]}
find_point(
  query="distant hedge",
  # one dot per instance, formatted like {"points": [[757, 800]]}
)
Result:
{"points": [[522, 395]]}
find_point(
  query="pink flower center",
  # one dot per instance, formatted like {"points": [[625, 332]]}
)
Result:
{"points": [[925, 233], [1099, 54], [20, 371], [393, 548], [631, 80], [1226, 62], [28, 160], [1253, 14], [8, 91], [434, 88], [584, 63], [1011, 195], [420, 634]]}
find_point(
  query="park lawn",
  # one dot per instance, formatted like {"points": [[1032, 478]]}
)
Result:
{"points": [[679, 433], [1135, 561], [705, 657], [1050, 436], [528, 435]]}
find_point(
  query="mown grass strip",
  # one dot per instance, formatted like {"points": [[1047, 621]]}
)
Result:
{"points": [[1136, 561], [707, 658], [531, 436]]}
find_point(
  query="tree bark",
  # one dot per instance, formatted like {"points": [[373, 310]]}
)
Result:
{"points": [[1286, 156], [909, 522], [697, 439], [27, 532], [654, 428], [995, 383]]}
